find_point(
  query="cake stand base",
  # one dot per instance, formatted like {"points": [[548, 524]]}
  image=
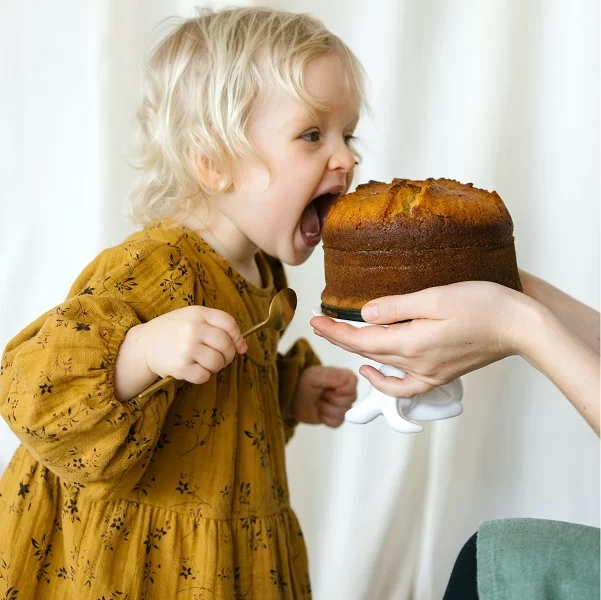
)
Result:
{"points": [[443, 402]]}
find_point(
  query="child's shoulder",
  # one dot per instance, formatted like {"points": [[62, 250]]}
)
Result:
{"points": [[157, 234], [157, 243], [159, 238]]}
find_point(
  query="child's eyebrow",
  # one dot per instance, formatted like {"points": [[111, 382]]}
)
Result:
{"points": [[300, 121], [303, 119]]}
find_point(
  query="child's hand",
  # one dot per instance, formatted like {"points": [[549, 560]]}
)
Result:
{"points": [[323, 395], [191, 343]]}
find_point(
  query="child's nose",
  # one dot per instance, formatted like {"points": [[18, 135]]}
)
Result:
{"points": [[342, 158]]}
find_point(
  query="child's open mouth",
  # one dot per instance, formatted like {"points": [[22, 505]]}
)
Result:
{"points": [[313, 216]]}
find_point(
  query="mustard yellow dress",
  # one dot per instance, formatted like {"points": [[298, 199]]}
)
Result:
{"points": [[181, 496]]}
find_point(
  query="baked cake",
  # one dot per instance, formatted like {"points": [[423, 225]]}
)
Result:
{"points": [[404, 236]]}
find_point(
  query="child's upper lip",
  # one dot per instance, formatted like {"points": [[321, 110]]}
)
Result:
{"points": [[333, 189]]}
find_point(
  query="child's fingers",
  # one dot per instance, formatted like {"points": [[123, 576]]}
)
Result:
{"points": [[331, 422], [331, 411], [340, 400], [219, 340], [348, 387], [209, 358], [220, 319], [320, 377], [194, 373], [334, 378]]}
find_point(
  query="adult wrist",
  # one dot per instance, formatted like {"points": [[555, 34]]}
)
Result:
{"points": [[525, 320], [541, 327]]}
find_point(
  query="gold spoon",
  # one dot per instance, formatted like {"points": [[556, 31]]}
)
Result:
{"points": [[281, 312]]}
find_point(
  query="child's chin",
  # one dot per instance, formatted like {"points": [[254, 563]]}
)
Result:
{"points": [[298, 257]]}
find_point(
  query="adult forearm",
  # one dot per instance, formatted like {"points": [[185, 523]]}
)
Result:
{"points": [[566, 360], [580, 319], [132, 374]]}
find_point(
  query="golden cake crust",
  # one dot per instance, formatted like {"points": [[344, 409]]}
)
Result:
{"points": [[407, 235]]}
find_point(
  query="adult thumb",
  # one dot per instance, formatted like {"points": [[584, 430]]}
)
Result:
{"points": [[396, 309]]}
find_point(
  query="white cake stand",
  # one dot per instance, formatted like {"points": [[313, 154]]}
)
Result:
{"points": [[440, 403]]}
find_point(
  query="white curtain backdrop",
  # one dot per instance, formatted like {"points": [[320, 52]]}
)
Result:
{"points": [[503, 93]]}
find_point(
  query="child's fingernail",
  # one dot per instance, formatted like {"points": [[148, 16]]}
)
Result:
{"points": [[370, 312]]}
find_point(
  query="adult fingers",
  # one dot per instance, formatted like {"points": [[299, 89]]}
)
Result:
{"points": [[394, 309], [373, 340], [407, 387]]}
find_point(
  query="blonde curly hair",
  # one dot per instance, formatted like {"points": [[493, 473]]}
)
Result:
{"points": [[202, 82]]}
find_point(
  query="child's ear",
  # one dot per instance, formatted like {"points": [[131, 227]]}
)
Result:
{"points": [[209, 176]]}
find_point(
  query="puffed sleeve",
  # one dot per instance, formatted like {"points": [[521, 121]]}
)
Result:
{"points": [[291, 364], [56, 378]]}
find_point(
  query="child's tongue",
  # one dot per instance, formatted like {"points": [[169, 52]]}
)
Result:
{"points": [[310, 225]]}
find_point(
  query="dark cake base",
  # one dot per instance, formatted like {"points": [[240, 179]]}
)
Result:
{"points": [[339, 313]]}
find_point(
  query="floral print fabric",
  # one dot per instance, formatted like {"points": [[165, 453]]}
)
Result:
{"points": [[183, 495]]}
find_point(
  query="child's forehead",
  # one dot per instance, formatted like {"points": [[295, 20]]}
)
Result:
{"points": [[284, 109], [323, 91]]}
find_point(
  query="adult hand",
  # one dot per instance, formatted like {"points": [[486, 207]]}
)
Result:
{"points": [[454, 329]]}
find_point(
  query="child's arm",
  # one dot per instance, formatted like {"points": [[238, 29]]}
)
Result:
{"points": [[57, 380]]}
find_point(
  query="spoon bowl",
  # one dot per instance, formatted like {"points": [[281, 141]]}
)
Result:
{"points": [[281, 312]]}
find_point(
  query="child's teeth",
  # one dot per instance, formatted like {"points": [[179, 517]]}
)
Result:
{"points": [[310, 224]]}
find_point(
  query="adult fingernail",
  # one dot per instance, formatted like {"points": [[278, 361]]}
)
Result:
{"points": [[370, 312]]}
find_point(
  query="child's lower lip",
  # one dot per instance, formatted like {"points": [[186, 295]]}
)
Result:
{"points": [[312, 241]]}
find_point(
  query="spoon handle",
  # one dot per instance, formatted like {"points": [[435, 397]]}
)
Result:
{"points": [[255, 328], [155, 387], [161, 383]]}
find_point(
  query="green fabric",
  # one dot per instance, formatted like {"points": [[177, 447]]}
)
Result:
{"points": [[532, 559]]}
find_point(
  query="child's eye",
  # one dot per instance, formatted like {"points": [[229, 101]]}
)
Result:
{"points": [[311, 136], [349, 139]]}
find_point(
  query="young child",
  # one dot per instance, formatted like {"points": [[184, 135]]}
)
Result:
{"points": [[246, 131]]}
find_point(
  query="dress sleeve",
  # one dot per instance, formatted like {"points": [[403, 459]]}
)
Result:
{"points": [[290, 367], [56, 378], [291, 364]]}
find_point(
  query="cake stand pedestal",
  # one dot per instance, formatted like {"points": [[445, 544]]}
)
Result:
{"points": [[440, 403]]}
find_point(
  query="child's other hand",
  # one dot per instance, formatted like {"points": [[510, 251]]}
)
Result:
{"points": [[191, 343], [323, 395]]}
